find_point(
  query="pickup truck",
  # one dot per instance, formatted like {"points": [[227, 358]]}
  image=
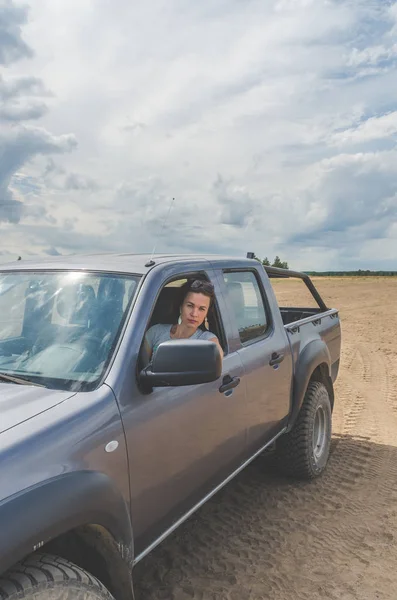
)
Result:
{"points": [[103, 455]]}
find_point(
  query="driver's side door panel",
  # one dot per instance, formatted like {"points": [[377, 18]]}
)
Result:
{"points": [[186, 442], [182, 443]]}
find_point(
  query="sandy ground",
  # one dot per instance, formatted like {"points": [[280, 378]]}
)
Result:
{"points": [[264, 536]]}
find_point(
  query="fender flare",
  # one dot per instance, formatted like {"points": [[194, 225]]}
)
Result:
{"points": [[314, 354], [39, 514]]}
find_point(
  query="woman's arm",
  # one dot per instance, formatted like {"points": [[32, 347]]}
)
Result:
{"points": [[148, 343], [215, 339], [146, 352]]}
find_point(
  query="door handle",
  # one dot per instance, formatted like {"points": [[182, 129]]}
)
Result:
{"points": [[229, 383], [276, 359]]}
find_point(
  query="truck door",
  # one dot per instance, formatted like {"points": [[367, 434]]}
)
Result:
{"points": [[265, 353], [182, 441]]}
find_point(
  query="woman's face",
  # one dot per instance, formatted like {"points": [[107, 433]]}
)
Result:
{"points": [[194, 309]]}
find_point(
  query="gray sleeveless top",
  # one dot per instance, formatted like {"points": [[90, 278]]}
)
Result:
{"points": [[162, 333]]}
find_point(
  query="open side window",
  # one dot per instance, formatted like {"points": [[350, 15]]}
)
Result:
{"points": [[167, 307]]}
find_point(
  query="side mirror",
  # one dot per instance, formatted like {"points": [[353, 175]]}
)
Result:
{"points": [[183, 362]]}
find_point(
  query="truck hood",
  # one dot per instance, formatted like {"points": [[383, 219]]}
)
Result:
{"points": [[19, 403]]}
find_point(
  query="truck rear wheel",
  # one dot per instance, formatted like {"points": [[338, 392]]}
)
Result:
{"points": [[47, 577], [303, 452]]}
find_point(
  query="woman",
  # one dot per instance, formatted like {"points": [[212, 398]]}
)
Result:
{"points": [[196, 299]]}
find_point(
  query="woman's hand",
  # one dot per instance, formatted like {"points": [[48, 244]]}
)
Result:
{"points": [[218, 344]]}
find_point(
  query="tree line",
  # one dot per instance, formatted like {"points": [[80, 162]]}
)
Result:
{"points": [[281, 264], [358, 273]]}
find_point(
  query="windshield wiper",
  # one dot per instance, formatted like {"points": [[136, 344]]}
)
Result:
{"points": [[18, 380]]}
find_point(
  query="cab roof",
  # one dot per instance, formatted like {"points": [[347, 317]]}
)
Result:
{"points": [[138, 264]]}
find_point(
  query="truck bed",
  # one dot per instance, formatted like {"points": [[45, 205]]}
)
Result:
{"points": [[320, 325], [293, 314], [305, 325]]}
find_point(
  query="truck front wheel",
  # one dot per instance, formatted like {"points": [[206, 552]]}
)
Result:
{"points": [[303, 452], [47, 577]]}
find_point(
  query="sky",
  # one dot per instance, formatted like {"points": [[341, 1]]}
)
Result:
{"points": [[272, 123]]}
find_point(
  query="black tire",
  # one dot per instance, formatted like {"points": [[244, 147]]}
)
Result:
{"points": [[303, 452], [47, 577]]}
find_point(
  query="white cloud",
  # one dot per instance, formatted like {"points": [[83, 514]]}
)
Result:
{"points": [[372, 55], [393, 18], [20, 143], [21, 99], [271, 123], [12, 46], [17, 146]]}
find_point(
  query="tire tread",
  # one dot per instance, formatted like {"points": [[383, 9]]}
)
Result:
{"points": [[292, 456], [46, 571]]}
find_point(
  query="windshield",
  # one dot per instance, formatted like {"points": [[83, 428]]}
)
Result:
{"points": [[59, 328]]}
